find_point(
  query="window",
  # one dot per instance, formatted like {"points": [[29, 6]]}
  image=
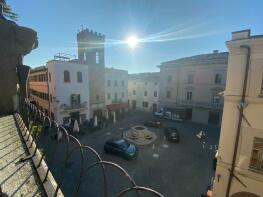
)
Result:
{"points": [[146, 83], [256, 160], [190, 79], [134, 83], [168, 94], [155, 94], [115, 96], [108, 96], [218, 78], [75, 100], [97, 97], [122, 95], [115, 82], [145, 93], [189, 96], [79, 77], [108, 83], [122, 83], [169, 79], [66, 76], [49, 75], [145, 104], [97, 58], [216, 99], [134, 92], [155, 83]]}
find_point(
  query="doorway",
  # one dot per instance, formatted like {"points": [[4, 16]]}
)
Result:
{"points": [[188, 113], [74, 116], [133, 104], [214, 117], [154, 107]]}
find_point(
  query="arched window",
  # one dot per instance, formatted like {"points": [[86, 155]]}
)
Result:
{"points": [[79, 77], [66, 76], [97, 58], [84, 56]]}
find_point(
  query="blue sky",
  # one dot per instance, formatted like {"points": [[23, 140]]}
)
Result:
{"points": [[170, 29]]}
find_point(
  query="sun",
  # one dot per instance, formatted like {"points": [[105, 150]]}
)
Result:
{"points": [[132, 41]]}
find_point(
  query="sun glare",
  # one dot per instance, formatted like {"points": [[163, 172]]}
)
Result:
{"points": [[132, 41]]}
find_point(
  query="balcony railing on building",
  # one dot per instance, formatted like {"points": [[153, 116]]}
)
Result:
{"points": [[216, 105], [75, 106], [191, 103]]}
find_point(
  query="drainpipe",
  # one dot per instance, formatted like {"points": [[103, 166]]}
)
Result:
{"points": [[241, 109]]}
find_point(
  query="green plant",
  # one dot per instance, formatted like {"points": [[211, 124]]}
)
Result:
{"points": [[7, 11]]}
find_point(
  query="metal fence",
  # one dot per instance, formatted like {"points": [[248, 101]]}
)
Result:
{"points": [[32, 117]]}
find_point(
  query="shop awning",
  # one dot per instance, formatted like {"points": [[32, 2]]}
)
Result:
{"points": [[117, 106]]}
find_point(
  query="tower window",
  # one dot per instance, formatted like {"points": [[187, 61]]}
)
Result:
{"points": [[84, 56], [97, 58]]}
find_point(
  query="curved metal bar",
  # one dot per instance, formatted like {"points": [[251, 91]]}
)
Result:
{"points": [[67, 158], [103, 168], [34, 115], [139, 188], [114, 165]]}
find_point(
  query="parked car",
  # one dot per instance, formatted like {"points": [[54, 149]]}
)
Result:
{"points": [[121, 147], [159, 114], [171, 116], [153, 123], [172, 134]]}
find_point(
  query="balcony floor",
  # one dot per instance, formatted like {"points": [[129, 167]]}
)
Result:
{"points": [[16, 179]]}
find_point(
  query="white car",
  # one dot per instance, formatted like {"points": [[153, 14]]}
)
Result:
{"points": [[159, 113]]}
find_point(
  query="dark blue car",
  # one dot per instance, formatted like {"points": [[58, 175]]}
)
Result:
{"points": [[121, 147]]}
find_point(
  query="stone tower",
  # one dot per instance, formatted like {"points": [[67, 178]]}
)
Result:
{"points": [[91, 52], [91, 47]]}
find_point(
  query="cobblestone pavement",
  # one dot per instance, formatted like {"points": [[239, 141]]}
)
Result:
{"points": [[16, 179], [173, 169]]}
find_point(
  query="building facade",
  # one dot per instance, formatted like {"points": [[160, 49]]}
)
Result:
{"points": [[38, 88], [143, 91], [116, 90], [189, 87], [91, 53], [61, 89], [239, 171]]}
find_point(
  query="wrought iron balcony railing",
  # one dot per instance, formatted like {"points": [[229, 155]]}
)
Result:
{"points": [[74, 106], [33, 117], [200, 104]]}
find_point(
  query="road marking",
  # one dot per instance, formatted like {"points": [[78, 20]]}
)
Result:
{"points": [[165, 145], [155, 155], [108, 133]]}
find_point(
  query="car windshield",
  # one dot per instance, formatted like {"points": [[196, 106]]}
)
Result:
{"points": [[122, 143]]}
